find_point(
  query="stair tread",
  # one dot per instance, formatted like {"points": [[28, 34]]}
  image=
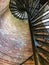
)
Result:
{"points": [[43, 56], [43, 40]]}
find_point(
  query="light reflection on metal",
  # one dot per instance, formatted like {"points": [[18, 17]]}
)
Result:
{"points": [[41, 32]]}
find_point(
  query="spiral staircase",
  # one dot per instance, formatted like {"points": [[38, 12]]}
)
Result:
{"points": [[37, 14]]}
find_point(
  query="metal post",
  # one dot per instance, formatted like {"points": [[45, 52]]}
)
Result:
{"points": [[32, 35], [33, 43]]}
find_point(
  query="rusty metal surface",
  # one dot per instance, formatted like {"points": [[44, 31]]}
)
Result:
{"points": [[15, 40]]}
